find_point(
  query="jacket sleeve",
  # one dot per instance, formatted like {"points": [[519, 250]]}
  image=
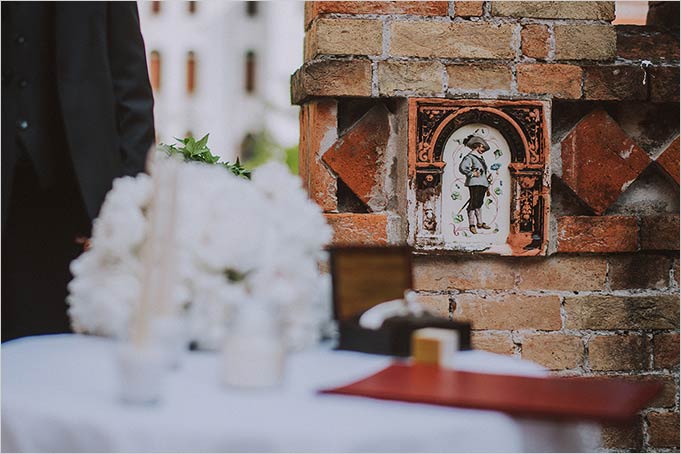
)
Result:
{"points": [[466, 166], [132, 90]]}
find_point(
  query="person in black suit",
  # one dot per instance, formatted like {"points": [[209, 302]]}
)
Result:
{"points": [[77, 112]]}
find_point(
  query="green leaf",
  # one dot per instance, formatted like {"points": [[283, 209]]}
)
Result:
{"points": [[458, 218], [198, 151], [497, 191], [456, 196], [202, 141]]}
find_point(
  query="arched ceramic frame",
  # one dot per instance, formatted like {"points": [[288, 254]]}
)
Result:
{"points": [[524, 126]]}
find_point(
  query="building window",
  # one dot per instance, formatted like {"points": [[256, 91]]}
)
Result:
{"points": [[247, 151], [250, 72], [191, 72], [155, 70], [252, 8], [155, 7], [191, 6]]}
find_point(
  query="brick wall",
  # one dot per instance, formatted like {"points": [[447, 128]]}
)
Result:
{"points": [[605, 301]]}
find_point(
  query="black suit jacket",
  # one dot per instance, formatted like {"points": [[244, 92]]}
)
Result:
{"points": [[105, 98]]}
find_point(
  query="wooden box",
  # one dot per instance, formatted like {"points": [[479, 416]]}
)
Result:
{"points": [[363, 277]]}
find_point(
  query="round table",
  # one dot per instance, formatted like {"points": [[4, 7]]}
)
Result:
{"points": [[59, 394]]}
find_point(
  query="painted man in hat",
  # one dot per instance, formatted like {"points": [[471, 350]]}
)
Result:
{"points": [[478, 179]]}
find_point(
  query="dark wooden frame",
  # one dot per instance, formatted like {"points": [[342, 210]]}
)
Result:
{"points": [[359, 253]]}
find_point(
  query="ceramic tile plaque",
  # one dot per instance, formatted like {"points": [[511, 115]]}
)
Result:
{"points": [[478, 176]]}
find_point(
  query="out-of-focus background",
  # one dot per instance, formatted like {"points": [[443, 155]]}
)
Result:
{"points": [[224, 68]]}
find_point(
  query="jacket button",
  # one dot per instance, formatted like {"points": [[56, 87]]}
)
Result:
{"points": [[22, 125], [21, 39], [23, 83]]}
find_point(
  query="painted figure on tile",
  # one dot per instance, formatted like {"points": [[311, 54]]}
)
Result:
{"points": [[478, 179]]}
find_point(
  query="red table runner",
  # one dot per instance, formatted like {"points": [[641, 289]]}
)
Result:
{"points": [[601, 399]]}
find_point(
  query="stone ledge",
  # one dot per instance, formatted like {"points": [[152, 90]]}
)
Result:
{"points": [[331, 78], [416, 8], [343, 77]]}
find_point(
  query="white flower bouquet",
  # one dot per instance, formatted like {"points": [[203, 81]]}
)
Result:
{"points": [[238, 242]]}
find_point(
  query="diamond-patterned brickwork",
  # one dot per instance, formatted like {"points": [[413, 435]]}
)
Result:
{"points": [[669, 160], [600, 160], [356, 156]]}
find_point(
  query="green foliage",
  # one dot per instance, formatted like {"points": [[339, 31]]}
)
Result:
{"points": [[198, 151], [265, 148], [292, 159]]}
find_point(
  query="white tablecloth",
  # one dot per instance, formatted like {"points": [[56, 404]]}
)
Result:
{"points": [[59, 395]]}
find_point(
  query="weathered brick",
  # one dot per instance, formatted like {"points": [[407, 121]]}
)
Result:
{"points": [[358, 229], [597, 234], [663, 430], [509, 312], [619, 352], [597, 147], [562, 273], [418, 8], [635, 42], [303, 146], [663, 15], [660, 232], [468, 9], [437, 304], [535, 40], [585, 42], [669, 160], [560, 81], [318, 133], [331, 78], [462, 273], [676, 273], [356, 156], [421, 78], [628, 436], [619, 83], [344, 37], [323, 186], [554, 351], [644, 271], [622, 312], [311, 12], [666, 350], [556, 10], [664, 83], [479, 77], [500, 343], [451, 40]]}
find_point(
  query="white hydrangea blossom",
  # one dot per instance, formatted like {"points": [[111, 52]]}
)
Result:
{"points": [[238, 242]]}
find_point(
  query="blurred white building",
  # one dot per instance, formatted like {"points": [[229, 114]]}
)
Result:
{"points": [[223, 67]]}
